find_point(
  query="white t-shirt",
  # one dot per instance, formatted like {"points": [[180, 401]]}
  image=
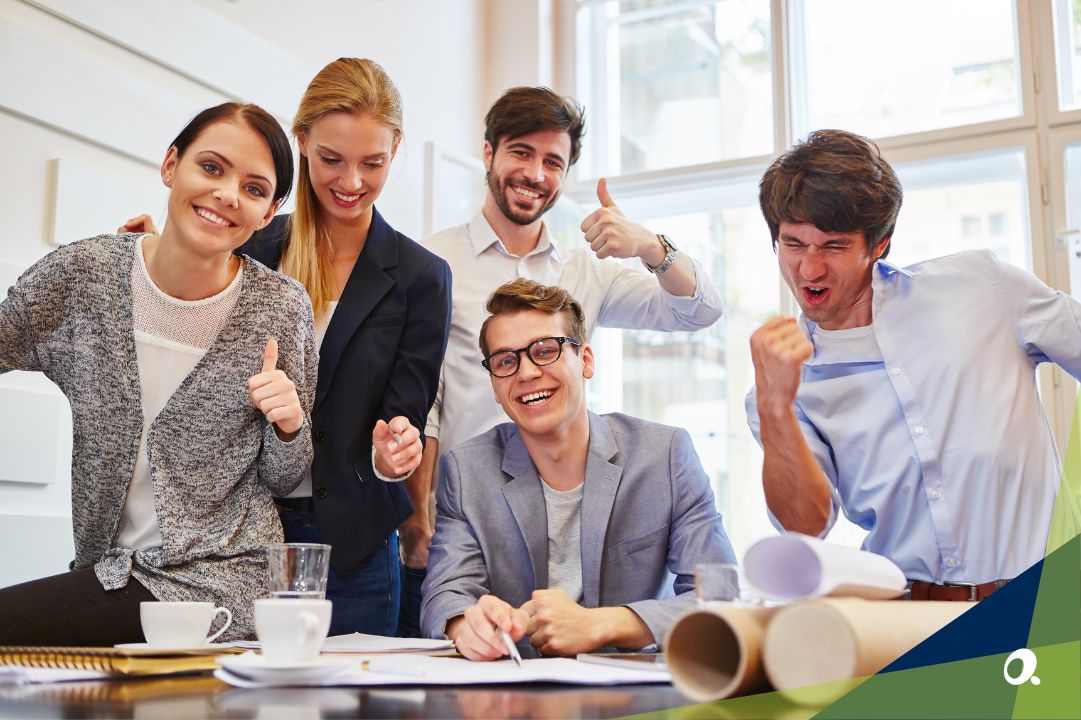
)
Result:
{"points": [[171, 337]]}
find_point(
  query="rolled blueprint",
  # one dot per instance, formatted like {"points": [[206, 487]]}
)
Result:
{"points": [[715, 652], [815, 642], [794, 566]]}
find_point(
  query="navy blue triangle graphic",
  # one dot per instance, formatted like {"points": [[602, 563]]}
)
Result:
{"points": [[999, 624]]}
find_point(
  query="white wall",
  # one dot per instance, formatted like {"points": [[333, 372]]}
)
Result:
{"points": [[104, 86]]}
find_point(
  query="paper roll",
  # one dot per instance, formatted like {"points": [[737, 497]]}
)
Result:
{"points": [[821, 641], [715, 652], [794, 566]]}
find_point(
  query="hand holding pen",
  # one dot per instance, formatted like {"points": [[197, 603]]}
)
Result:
{"points": [[397, 447], [479, 632]]}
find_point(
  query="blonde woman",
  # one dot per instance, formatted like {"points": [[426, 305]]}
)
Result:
{"points": [[382, 314]]}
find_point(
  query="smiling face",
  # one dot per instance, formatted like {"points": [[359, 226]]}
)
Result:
{"points": [[542, 401], [221, 189], [526, 173], [829, 273], [348, 157]]}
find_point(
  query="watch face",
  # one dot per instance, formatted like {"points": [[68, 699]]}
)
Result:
{"points": [[667, 242]]}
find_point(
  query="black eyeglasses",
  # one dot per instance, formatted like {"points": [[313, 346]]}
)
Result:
{"points": [[545, 351]]}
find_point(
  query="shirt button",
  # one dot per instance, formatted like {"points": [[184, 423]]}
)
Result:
{"points": [[895, 371], [951, 561], [918, 429], [936, 494], [321, 491]]}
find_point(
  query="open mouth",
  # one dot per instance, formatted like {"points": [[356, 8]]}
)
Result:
{"points": [[816, 295], [346, 200], [536, 398], [212, 217]]}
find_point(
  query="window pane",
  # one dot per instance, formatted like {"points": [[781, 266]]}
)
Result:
{"points": [[698, 380], [1067, 15], [964, 203], [675, 82], [881, 67], [1072, 235]]}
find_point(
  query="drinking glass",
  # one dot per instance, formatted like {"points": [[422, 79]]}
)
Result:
{"points": [[298, 570], [716, 582]]}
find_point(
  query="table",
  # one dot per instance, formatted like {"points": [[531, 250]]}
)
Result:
{"points": [[203, 696]]}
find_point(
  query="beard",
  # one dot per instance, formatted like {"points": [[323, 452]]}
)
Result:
{"points": [[500, 189]]}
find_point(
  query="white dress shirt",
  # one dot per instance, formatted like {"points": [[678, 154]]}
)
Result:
{"points": [[611, 295]]}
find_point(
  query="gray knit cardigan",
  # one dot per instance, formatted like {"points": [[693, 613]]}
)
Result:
{"points": [[214, 459]]}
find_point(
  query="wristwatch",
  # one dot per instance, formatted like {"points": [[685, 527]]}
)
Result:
{"points": [[669, 256]]}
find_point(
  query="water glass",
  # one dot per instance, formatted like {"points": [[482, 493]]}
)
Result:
{"points": [[716, 582], [298, 570]]}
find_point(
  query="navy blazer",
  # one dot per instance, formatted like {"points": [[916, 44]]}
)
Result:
{"points": [[380, 358]]}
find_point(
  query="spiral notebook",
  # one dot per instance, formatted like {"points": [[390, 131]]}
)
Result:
{"points": [[108, 661]]}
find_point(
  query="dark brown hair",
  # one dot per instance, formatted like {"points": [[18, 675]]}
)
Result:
{"points": [[522, 294], [837, 181], [523, 110], [258, 120]]}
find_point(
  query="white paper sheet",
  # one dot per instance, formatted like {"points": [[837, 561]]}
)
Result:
{"points": [[458, 671], [23, 675], [363, 643], [793, 566]]}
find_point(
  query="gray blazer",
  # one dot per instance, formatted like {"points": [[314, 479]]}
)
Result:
{"points": [[647, 511], [214, 459]]}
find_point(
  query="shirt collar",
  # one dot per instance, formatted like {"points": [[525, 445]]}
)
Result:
{"points": [[887, 269], [482, 236]]}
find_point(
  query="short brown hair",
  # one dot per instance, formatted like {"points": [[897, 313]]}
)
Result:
{"points": [[522, 294], [837, 181], [523, 110]]}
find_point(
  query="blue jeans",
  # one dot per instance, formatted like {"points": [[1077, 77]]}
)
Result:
{"points": [[365, 598], [409, 618]]}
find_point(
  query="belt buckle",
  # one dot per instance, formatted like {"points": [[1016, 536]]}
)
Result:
{"points": [[972, 592]]}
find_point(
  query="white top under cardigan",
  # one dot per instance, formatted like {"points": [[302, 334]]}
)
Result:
{"points": [[171, 337]]}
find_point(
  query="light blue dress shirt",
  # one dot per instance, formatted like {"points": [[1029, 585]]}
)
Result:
{"points": [[928, 423]]}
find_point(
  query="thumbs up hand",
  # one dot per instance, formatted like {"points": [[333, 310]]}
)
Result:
{"points": [[274, 394], [610, 234]]}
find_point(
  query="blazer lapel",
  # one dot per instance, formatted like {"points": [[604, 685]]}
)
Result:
{"points": [[367, 285], [526, 500], [598, 497]]}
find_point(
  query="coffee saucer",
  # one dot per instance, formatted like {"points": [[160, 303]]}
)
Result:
{"points": [[150, 650], [255, 667]]}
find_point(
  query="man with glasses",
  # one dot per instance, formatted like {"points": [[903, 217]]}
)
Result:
{"points": [[532, 137], [561, 527], [905, 397]]}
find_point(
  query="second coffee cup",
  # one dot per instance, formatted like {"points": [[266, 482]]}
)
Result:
{"points": [[291, 631]]}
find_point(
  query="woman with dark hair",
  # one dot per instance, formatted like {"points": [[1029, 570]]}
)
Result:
{"points": [[191, 374]]}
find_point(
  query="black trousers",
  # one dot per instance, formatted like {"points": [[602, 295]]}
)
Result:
{"points": [[71, 609]]}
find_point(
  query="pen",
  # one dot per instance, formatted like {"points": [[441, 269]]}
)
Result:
{"points": [[512, 649], [392, 667], [397, 438]]}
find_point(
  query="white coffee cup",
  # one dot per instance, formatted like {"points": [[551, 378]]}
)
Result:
{"points": [[291, 631], [180, 624]]}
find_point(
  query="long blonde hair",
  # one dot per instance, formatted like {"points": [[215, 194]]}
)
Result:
{"points": [[351, 85]]}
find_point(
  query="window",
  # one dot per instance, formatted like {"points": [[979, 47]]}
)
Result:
{"points": [[688, 101], [675, 82], [882, 68]]}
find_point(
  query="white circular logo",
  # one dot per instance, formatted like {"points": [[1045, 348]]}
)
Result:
{"points": [[1028, 667]]}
